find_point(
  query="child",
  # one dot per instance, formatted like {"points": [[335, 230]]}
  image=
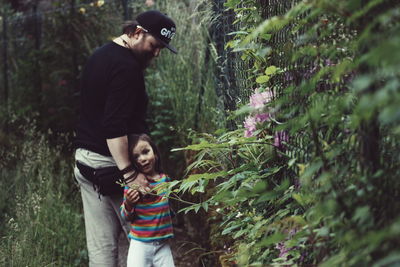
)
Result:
{"points": [[149, 215]]}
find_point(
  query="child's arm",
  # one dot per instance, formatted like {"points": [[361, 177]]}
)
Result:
{"points": [[131, 197]]}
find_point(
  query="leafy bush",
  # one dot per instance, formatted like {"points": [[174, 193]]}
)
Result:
{"points": [[311, 181]]}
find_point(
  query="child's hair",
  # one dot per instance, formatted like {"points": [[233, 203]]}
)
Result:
{"points": [[133, 139]]}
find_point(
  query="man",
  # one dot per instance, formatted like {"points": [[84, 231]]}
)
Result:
{"points": [[113, 105]]}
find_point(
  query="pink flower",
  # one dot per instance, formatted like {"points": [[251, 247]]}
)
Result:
{"points": [[262, 117], [258, 100], [248, 133], [250, 123]]}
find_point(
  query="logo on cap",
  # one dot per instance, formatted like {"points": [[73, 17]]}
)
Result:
{"points": [[168, 33]]}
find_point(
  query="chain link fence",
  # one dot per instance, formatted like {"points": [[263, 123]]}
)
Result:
{"points": [[233, 83], [233, 80]]}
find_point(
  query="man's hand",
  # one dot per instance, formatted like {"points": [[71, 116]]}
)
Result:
{"points": [[119, 150]]}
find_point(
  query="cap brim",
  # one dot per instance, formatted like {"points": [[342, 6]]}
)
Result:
{"points": [[171, 48]]}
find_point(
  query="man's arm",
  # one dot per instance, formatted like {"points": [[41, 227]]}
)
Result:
{"points": [[119, 150]]}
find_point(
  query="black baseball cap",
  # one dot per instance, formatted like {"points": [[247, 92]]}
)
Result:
{"points": [[159, 25]]}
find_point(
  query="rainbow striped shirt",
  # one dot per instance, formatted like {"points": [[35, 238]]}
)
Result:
{"points": [[151, 216]]}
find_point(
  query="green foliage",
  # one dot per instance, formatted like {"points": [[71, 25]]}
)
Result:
{"points": [[181, 86], [47, 53], [321, 197], [41, 222]]}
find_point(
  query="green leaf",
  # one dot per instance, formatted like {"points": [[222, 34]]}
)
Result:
{"points": [[231, 3], [204, 205], [238, 33], [262, 79], [197, 207], [260, 187], [270, 70], [299, 199], [266, 197], [213, 175], [323, 231], [239, 233], [272, 239], [230, 229], [265, 36], [362, 214], [291, 162]]}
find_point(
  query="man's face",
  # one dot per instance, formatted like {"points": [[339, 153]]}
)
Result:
{"points": [[147, 48]]}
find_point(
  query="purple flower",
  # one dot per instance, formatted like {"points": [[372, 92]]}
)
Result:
{"points": [[283, 250], [280, 138], [310, 72], [288, 76], [248, 133], [258, 100], [250, 123], [328, 62], [262, 117]]}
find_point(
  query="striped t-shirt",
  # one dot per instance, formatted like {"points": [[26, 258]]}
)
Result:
{"points": [[151, 216]]}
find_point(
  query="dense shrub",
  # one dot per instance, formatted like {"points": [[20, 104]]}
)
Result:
{"points": [[309, 176]]}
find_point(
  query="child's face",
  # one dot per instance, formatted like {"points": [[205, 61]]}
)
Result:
{"points": [[144, 157]]}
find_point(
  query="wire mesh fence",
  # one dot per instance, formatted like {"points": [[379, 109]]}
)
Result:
{"points": [[235, 83]]}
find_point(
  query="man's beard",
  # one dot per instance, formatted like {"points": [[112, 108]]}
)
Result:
{"points": [[145, 58]]}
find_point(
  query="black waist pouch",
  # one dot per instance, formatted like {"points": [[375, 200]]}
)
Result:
{"points": [[104, 179]]}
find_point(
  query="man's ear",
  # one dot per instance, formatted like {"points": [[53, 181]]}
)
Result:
{"points": [[136, 33]]}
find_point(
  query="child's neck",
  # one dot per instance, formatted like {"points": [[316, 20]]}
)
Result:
{"points": [[153, 176]]}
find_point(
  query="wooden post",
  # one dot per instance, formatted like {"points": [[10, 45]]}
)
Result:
{"points": [[38, 35], [5, 70], [127, 9], [74, 46]]}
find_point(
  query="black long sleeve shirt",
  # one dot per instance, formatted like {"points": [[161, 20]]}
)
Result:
{"points": [[113, 98]]}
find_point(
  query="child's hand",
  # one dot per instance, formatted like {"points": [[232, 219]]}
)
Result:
{"points": [[132, 196]]}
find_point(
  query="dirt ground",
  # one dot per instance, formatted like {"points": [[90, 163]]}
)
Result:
{"points": [[188, 248], [185, 250]]}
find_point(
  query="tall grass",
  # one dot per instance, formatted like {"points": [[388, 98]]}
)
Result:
{"points": [[186, 79], [182, 86], [41, 222]]}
